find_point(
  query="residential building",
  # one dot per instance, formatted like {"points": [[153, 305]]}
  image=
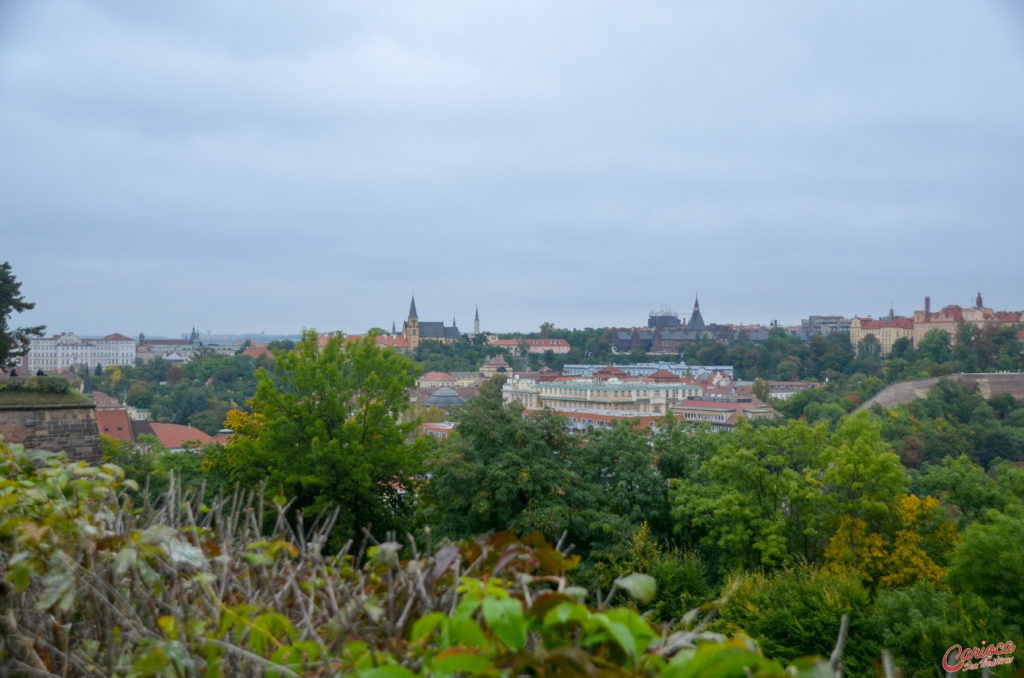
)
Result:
{"points": [[439, 430], [679, 369], [66, 351], [950, 317], [825, 325], [886, 331], [556, 346], [435, 380], [723, 415]]}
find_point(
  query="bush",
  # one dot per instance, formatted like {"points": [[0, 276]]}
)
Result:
{"points": [[89, 585]]}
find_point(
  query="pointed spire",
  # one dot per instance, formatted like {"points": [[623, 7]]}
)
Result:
{"points": [[412, 309], [394, 330], [453, 321], [696, 319], [476, 314]]}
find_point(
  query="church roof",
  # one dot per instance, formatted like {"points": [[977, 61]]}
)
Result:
{"points": [[412, 309], [696, 319]]}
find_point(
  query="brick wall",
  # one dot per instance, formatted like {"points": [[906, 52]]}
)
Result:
{"points": [[58, 428]]}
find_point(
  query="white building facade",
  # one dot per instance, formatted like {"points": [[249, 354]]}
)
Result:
{"points": [[66, 350]]}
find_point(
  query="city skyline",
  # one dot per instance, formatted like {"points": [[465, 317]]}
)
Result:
{"points": [[244, 168]]}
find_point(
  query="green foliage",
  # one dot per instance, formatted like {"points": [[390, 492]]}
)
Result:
{"points": [[325, 429], [756, 501], [796, 612], [13, 341], [462, 356], [91, 587], [989, 561], [917, 625]]}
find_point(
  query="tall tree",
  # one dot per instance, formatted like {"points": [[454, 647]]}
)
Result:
{"points": [[13, 342], [325, 429]]}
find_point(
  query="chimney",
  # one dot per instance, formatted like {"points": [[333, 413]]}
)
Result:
{"points": [[927, 308]]}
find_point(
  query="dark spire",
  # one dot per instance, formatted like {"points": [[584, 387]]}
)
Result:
{"points": [[696, 320], [476, 315], [394, 330], [412, 309], [977, 302]]}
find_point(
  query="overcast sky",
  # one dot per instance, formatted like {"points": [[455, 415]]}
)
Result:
{"points": [[247, 166]]}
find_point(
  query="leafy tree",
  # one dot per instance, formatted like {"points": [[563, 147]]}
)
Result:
{"points": [[862, 478], [917, 624], [13, 341], [325, 429], [796, 612], [756, 502], [934, 346], [989, 561], [503, 471]]}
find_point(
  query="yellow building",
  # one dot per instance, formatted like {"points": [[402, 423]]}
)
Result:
{"points": [[885, 331]]}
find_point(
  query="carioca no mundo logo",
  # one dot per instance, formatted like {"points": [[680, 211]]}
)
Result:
{"points": [[959, 658]]}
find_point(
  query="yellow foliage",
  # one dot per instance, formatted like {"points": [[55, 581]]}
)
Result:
{"points": [[922, 528], [243, 424]]}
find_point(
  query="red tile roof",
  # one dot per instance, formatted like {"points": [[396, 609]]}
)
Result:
{"points": [[899, 321], [437, 376], [174, 436], [114, 423], [117, 337], [258, 351]]}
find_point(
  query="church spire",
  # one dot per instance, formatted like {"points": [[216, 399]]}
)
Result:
{"points": [[412, 308], [696, 319]]}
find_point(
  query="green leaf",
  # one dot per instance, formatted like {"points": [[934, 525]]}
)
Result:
{"points": [[424, 625], [389, 671], [505, 617], [640, 586], [460, 660]]}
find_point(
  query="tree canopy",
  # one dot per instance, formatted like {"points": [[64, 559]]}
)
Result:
{"points": [[325, 429], [13, 341]]}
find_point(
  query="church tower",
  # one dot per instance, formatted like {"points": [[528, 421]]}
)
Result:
{"points": [[411, 329], [476, 322], [696, 319]]}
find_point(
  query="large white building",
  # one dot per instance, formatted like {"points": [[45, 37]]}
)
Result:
{"points": [[63, 351], [627, 398]]}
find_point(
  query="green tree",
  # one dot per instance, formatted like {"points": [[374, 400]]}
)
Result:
{"points": [[934, 346], [989, 561], [503, 471], [13, 341], [862, 477], [325, 430]]}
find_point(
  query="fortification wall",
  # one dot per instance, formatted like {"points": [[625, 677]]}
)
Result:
{"points": [[57, 428], [988, 385]]}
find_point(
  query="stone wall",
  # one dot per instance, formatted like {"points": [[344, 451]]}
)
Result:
{"points": [[58, 428], [987, 384]]}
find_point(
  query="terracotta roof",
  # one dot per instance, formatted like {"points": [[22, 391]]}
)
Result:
{"points": [[116, 337], [437, 376], [900, 322], [610, 371], [174, 436], [392, 340], [504, 342], [105, 402], [663, 375], [258, 351], [114, 423], [496, 361]]}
